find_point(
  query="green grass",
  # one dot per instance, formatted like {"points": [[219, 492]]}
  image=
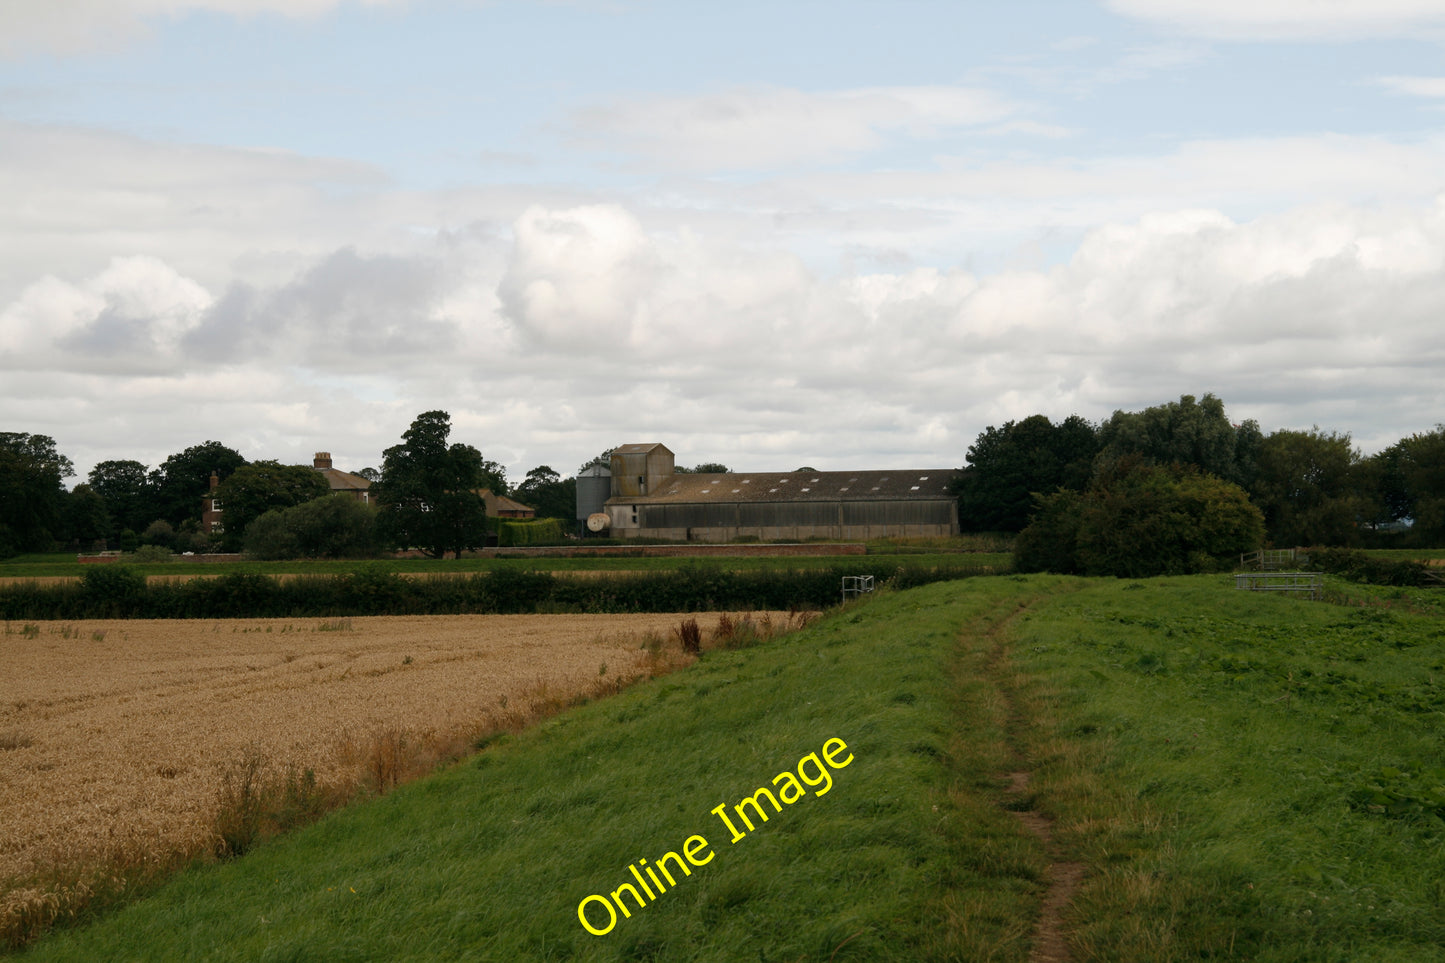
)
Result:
{"points": [[1223, 759], [1243, 776]]}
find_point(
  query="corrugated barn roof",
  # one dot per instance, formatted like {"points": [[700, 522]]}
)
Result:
{"points": [[801, 486]]}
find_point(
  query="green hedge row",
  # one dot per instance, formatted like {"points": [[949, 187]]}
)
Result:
{"points": [[1356, 566], [118, 591], [534, 531]]}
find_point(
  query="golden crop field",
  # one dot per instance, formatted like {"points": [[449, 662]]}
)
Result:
{"points": [[117, 737]]}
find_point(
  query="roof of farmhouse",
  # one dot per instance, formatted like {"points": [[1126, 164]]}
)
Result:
{"points": [[802, 486]]}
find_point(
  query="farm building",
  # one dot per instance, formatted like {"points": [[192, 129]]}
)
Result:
{"points": [[649, 499]]}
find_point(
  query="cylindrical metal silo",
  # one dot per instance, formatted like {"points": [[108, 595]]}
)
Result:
{"points": [[594, 487]]}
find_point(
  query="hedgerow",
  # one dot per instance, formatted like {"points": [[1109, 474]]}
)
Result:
{"points": [[119, 591]]}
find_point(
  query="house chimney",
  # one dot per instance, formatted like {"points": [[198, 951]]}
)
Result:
{"points": [[215, 479], [323, 460]]}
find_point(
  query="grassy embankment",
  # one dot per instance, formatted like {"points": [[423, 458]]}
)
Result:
{"points": [[1240, 776]]}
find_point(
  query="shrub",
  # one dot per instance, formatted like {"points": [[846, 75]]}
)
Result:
{"points": [[537, 531], [1142, 520], [159, 532], [152, 553], [112, 591], [334, 526], [1356, 566]]}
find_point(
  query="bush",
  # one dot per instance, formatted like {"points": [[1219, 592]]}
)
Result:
{"points": [[112, 591], [159, 532], [334, 526], [537, 531], [1356, 566], [1142, 520], [152, 553]]}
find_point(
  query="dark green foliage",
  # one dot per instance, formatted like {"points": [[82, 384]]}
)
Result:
{"points": [[183, 479], [32, 494], [1142, 520], [1007, 466], [129, 495], [1050, 543], [548, 494], [1184, 432], [254, 489], [1422, 470], [112, 591], [429, 491], [159, 532], [374, 590], [1359, 567], [334, 526], [87, 523], [539, 531], [1309, 488]]}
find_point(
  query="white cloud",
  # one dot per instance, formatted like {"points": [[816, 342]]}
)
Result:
{"points": [[747, 128], [131, 316], [74, 26], [1288, 19], [1415, 86]]}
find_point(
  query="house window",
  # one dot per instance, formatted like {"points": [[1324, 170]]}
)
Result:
{"points": [[215, 504]]}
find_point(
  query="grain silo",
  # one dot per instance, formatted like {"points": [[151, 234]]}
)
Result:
{"points": [[594, 487]]}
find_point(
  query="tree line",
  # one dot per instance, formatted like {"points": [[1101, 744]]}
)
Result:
{"points": [[1178, 487], [425, 496]]}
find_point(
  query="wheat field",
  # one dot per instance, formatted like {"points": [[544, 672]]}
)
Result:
{"points": [[116, 737]]}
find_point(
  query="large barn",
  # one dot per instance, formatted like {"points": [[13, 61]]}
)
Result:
{"points": [[649, 499]]}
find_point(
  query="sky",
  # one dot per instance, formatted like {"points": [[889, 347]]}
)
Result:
{"points": [[838, 234]]}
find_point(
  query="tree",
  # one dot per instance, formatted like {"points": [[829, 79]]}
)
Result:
{"points": [[1140, 520], [1422, 467], [1007, 466], [428, 490], [183, 479], [86, 520], [604, 458], [711, 468], [548, 493], [130, 496], [1183, 432], [32, 491], [252, 490], [1309, 488], [335, 526]]}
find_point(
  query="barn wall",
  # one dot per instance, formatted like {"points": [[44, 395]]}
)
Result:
{"points": [[724, 521]]}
